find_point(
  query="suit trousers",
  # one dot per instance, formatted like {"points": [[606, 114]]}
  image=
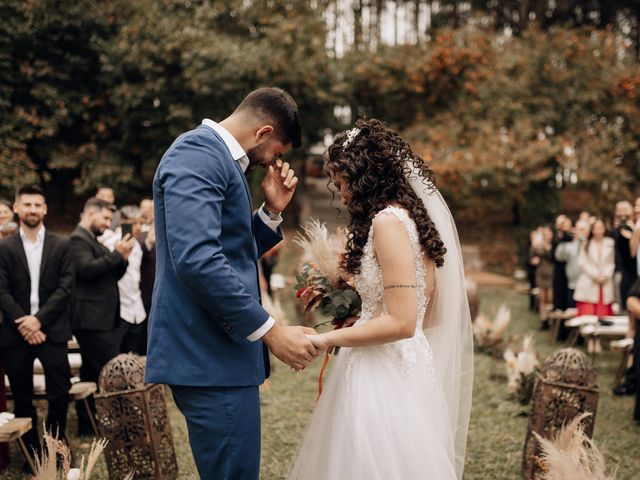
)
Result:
{"points": [[133, 337], [97, 347], [224, 430], [18, 361]]}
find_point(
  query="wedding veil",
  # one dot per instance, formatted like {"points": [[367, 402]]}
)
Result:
{"points": [[449, 329]]}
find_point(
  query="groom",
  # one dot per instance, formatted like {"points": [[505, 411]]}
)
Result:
{"points": [[208, 333]]}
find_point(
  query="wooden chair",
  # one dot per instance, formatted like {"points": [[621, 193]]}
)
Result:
{"points": [[14, 430]]}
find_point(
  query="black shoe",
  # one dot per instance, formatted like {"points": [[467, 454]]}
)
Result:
{"points": [[624, 389], [545, 325], [85, 432]]}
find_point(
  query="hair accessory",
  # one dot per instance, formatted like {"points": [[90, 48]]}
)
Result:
{"points": [[351, 135]]}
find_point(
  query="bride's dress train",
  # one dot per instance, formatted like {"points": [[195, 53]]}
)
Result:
{"points": [[382, 414]]}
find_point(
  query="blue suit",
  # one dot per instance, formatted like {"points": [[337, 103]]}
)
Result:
{"points": [[206, 301]]}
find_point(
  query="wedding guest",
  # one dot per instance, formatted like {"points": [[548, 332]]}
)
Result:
{"points": [[569, 252], [625, 262], [95, 312], [563, 227], [542, 256], [531, 266], [633, 309], [107, 194], [132, 312], [147, 242], [36, 282], [146, 206], [594, 289], [7, 225]]}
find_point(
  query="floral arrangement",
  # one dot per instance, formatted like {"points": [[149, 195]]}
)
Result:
{"points": [[572, 455], [490, 334], [321, 284], [521, 371], [46, 466]]}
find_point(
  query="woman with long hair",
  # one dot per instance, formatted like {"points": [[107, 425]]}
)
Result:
{"points": [[397, 400]]}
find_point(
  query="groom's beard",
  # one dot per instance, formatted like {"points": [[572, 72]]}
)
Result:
{"points": [[256, 156]]}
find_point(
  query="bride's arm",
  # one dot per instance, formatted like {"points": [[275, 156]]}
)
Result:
{"points": [[393, 249]]}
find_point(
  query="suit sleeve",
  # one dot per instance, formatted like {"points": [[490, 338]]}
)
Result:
{"points": [[87, 267], [265, 237], [193, 188], [59, 299], [10, 308]]}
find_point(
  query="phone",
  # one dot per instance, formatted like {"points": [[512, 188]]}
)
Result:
{"points": [[127, 228]]}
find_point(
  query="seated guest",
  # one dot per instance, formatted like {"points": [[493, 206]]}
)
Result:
{"points": [[132, 312], [36, 282], [96, 306]]}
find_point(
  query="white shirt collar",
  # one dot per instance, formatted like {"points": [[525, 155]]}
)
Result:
{"points": [[237, 152], [39, 235]]}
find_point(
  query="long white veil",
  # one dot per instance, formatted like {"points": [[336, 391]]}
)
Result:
{"points": [[449, 329]]}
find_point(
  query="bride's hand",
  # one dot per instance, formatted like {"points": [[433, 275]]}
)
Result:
{"points": [[319, 341]]}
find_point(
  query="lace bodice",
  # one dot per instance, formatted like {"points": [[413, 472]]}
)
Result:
{"points": [[369, 284]]}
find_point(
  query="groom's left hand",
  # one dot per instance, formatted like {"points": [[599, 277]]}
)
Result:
{"points": [[278, 186]]}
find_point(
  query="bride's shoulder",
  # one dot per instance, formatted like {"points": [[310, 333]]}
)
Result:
{"points": [[390, 223]]}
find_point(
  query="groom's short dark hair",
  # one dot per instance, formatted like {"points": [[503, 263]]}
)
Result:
{"points": [[278, 107]]}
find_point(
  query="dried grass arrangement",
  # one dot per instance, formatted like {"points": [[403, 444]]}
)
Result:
{"points": [[46, 466], [491, 334], [521, 370], [572, 455]]}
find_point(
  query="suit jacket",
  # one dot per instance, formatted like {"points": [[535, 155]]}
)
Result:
{"points": [[55, 289], [206, 298], [593, 264], [147, 272], [96, 302]]}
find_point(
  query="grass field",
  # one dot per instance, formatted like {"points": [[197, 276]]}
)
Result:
{"points": [[496, 434]]}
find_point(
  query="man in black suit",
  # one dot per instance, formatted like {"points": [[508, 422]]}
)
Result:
{"points": [[96, 304], [36, 282]]}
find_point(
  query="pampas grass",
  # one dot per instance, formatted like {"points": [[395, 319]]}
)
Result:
{"points": [[322, 249], [489, 334], [521, 370], [572, 455], [46, 469]]}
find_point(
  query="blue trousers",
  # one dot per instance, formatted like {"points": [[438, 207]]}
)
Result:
{"points": [[224, 430]]}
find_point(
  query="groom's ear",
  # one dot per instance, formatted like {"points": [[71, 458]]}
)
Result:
{"points": [[263, 133]]}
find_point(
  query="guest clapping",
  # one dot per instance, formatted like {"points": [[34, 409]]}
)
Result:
{"points": [[625, 261], [36, 282], [96, 304]]}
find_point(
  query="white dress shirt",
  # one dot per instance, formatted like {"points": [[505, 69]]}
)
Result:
{"points": [[240, 156], [33, 251], [131, 306]]}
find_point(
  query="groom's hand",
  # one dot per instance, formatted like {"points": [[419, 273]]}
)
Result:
{"points": [[290, 345], [278, 186]]}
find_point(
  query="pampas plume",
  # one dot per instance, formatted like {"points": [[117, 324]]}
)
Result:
{"points": [[572, 455], [321, 248]]}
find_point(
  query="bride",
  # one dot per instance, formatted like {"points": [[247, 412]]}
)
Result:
{"points": [[397, 401]]}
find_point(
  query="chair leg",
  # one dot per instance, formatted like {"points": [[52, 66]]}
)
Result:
{"points": [[91, 417], [573, 337], [621, 369], [27, 455], [555, 330]]}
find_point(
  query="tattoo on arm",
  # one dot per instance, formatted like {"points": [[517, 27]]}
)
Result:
{"points": [[399, 286]]}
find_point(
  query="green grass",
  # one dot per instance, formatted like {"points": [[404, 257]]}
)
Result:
{"points": [[496, 434]]}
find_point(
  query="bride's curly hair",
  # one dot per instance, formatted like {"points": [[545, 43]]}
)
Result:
{"points": [[374, 165]]}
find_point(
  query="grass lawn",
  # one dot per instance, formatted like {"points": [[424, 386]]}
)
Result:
{"points": [[496, 434]]}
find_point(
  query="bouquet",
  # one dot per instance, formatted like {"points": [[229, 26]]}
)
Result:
{"points": [[321, 285]]}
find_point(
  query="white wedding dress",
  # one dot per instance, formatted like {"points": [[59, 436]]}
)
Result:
{"points": [[382, 414]]}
